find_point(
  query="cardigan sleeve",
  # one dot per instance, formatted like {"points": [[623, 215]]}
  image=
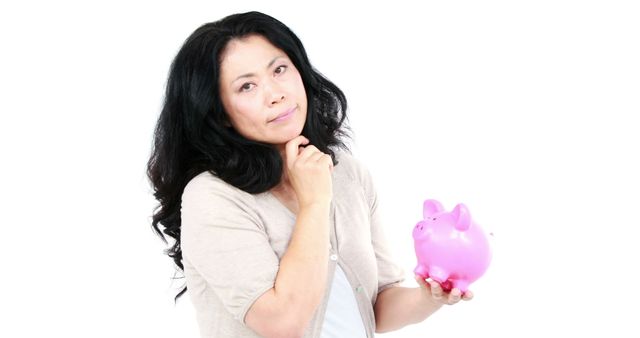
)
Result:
{"points": [[224, 239]]}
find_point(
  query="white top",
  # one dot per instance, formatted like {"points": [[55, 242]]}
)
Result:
{"points": [[342, 318]]}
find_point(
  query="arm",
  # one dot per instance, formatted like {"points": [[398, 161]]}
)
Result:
{"points": [[286, 309], [397, 307]]}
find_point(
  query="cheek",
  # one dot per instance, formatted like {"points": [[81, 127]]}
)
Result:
{"points": [[300, 86], [293, 84], [245, 110]]}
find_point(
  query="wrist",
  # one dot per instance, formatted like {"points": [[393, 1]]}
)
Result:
{"points": [[315, 206]]}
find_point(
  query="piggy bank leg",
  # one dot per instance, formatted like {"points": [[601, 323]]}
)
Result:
{"points": [[438, 274], [461, 285], [421, 271]]}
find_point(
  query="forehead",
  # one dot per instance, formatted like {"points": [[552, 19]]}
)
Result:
{"points": [[247, 55]]}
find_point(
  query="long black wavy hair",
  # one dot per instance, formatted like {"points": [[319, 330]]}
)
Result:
{"points": [[192, 133]]}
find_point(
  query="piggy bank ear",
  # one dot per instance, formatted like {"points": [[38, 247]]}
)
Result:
{"points": [[461, 217], [431, 207]]}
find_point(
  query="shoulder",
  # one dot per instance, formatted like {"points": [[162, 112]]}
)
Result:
{"points": [[209, 201], [352, 171], [208, 186], [351, 167]]}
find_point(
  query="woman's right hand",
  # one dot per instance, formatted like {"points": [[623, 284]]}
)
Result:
{"points": [[309, 172]]}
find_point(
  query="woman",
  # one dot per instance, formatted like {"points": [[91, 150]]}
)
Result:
{"points": [[276, 227]]}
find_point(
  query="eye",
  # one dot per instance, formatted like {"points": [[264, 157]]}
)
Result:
{"points": [[246, 87], [281, 69]]}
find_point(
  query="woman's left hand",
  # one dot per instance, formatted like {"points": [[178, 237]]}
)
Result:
{"points": [[434, 290]]}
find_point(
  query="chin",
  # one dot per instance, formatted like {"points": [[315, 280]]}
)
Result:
{"points": [[287, 136]]}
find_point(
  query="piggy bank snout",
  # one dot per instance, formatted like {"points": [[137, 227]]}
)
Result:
{"points": [[419, 229]]}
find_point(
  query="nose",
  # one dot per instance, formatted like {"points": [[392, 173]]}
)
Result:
{"points": [[274, 93], [277, 98]]}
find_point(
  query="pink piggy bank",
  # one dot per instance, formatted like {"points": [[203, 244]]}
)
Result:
{"points": [[451, 248]]}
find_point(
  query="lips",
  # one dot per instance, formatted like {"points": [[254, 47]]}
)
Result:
{"points": [[284, 115]]}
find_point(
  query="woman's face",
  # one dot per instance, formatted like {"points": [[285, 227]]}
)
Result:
{"points": [[261, 90]]}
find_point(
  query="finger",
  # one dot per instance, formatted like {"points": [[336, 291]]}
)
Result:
{"points": [[326, 159], [316, 157], [308, 152], [421, 282], [436, 290], [322, 160], [468, 295], [454, 296], [291, 149]]}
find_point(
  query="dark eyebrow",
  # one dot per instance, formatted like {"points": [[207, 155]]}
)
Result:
{"points": [[252, 74]]}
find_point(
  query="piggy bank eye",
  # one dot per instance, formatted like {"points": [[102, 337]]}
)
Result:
{"points": [[434, 218]]}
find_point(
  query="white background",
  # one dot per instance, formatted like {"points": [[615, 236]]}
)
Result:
{"points": [[524, 111]]}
